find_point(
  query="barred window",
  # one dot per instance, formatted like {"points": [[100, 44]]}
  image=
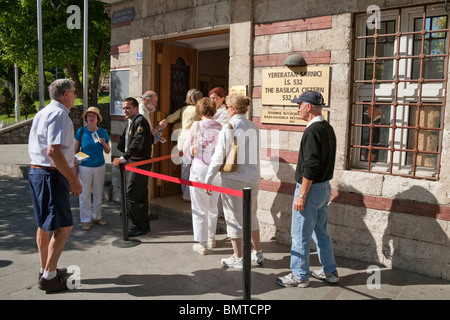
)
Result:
{"points": [[399, 91]]}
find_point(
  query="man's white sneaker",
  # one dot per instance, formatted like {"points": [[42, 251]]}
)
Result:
{"points": [[233, 262], [257, 256], [291, 281], [331, 278]]}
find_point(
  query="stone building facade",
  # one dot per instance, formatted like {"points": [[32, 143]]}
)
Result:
{"points": [[391, 202]]}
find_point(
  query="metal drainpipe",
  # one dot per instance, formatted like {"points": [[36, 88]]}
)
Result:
{"points": [[252, 41]]}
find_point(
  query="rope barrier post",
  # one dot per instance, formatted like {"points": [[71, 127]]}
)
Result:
{"points": [[123, 184], [125, 242], [247, 200]]}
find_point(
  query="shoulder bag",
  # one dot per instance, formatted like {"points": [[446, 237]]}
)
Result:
{"points": [[230, 162]]}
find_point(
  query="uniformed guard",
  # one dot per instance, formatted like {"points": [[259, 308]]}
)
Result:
{"points": [[136, 145]]}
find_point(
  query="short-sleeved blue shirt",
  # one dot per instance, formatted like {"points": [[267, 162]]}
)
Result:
{"points": [[93, 149]]}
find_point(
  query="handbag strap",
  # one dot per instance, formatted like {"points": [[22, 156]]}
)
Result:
{"points": [[81, 137], [231, 128]]}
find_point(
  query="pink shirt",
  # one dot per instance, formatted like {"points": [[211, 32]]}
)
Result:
{"points": [[204, 135]]}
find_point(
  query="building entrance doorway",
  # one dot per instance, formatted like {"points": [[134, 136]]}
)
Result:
{"points": [[179, 65]]}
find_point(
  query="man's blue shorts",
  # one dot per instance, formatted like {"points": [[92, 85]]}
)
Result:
{"points": [[51, 199]]}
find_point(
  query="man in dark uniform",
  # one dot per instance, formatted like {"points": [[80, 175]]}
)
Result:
{"points": [[136, 144]]}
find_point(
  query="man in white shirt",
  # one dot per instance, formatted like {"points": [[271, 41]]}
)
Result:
{"points": [[52, 177]]}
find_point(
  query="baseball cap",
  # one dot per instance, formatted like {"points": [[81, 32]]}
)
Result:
{"points": [[312, 97]]}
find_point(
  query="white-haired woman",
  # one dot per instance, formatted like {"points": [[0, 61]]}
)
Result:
{"points": [[247, 175]]}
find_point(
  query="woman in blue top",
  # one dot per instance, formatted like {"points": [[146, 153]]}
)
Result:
{"points": [[91, 172]]}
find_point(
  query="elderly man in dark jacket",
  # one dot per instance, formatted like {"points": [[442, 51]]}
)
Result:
{"points": [[315, 169]]}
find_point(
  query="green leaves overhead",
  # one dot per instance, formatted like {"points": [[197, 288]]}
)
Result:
{"points": [[61, 45]]}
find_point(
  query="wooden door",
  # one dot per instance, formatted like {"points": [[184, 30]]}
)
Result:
{"points": [[178, 74]]}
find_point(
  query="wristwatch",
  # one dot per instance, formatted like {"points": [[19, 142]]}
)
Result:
{"points": [[301, 195]]}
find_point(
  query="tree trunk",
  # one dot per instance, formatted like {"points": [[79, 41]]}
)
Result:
{"points": [[94, 86], [74, 75], [95, 83]]}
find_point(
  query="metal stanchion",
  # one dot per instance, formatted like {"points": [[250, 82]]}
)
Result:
{"points": [[125, 242], [246, 280], [123, 185]]}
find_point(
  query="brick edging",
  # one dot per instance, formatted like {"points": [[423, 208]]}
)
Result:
{"points": [[422, 209]]}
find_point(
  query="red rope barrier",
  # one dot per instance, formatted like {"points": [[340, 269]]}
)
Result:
{"points": [[132, 167], [140, 163]]}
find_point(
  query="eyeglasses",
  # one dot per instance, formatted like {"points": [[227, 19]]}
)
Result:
{"points": [[227, 107], [301, 105], [72, 91]]}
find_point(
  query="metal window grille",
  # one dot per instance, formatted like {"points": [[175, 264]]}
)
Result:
{"points": [[402, 68], [179, 84]]}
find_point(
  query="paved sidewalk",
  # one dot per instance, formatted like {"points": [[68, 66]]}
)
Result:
{"points": [[164, 266]]}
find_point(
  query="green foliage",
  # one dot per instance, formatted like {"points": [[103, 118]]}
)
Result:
{"points": [[18, 32], [6, 101], [62, 47], [26, 104], [30, 82]]}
